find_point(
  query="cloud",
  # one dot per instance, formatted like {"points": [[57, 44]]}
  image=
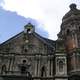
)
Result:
{"points": [[39, 28], [1, 1], [11, 24], [47, 12], [27, 8]]}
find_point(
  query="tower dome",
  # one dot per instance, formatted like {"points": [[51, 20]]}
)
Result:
{"points": [[74, 13]]}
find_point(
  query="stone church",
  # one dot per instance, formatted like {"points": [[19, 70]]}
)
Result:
{"points": [[29, 56]]}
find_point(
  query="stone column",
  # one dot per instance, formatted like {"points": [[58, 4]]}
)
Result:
{"points": [[10, 64], [48, 73], [51, 68], [39, 67], [36, 67]]}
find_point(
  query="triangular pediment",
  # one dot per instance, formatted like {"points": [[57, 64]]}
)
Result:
{"points": [[33, 40]]}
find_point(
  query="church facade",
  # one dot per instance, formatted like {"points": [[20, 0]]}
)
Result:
{"points": [[28, 55]]}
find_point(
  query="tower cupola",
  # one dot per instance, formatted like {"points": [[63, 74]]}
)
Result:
{"points": [[29, 28], [73, 13], [73, 6]]}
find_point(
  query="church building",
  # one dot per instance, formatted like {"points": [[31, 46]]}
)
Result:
{"points": [[29, 56]]}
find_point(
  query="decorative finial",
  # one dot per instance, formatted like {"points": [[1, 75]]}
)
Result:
{"points": [[73, 6]]}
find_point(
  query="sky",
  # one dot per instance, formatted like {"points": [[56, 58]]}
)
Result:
{"points": [[46, 15]]}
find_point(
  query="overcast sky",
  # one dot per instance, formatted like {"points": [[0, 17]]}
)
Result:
{"points": [[46, 15]]}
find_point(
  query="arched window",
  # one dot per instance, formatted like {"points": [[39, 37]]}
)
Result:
{"points": [[68, 32], [43, 71], [61, 66]]}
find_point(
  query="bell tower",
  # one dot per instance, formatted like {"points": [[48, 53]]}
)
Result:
{"points": [[29, 28], [70, 28], [70, 33]]}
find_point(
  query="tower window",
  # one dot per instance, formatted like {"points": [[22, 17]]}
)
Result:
{"points": [[68, 32]]}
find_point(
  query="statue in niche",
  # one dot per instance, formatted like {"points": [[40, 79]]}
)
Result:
{"points": [[43, 71], [24, 67], [3, 69]]}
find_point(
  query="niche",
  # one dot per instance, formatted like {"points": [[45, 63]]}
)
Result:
{"points": [[68, 32], [43, 71]]}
